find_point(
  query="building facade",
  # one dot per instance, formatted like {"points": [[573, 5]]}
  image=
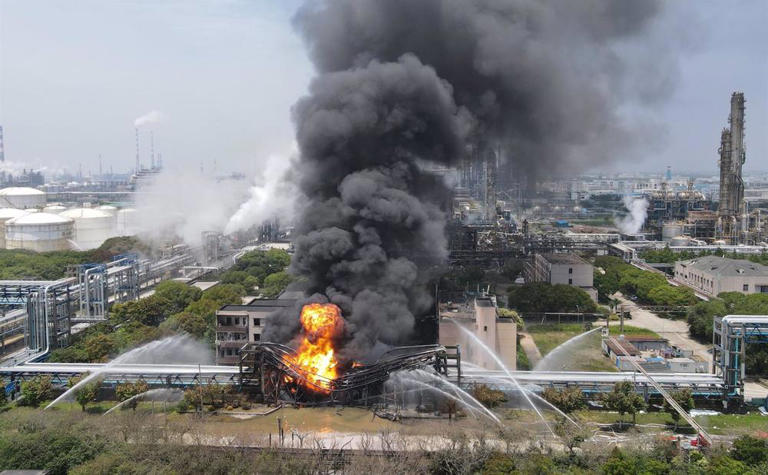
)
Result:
{"points": [[480, 318], [237, 325], [712, 275], [567, 269]]}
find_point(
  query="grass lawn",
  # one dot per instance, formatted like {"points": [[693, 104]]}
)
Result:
{"points": [[549, 336], [523, 363], [633, 331], [585, 356]]}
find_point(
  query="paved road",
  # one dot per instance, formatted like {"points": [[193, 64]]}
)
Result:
{"points": [[530, 348], [676, 331]]}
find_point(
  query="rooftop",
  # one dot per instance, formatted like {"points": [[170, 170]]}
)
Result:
{"points": [[723, 266], [553, 258], [260, 303], [38, 218]]}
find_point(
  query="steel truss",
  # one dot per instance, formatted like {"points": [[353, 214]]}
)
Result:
{"points": [[269, 369]]}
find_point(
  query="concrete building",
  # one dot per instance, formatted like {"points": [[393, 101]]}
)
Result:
{"points": [[237, 325], [568, 269], [560, 269], [480, 318], [712, 275]]}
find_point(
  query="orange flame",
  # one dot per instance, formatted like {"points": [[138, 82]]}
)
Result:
{"points": [[322, 323]]}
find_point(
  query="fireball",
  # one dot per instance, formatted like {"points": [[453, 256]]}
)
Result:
{"points": [[322, 324]]}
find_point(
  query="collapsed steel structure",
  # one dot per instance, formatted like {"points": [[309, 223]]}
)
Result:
{"points": [[268, 369]]}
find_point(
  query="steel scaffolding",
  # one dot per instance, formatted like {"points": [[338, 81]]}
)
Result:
{"points": [[730, 336]]}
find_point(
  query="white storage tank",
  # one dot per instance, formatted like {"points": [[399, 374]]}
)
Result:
{"points": [[127, 222], [5, 215], [680, 241], [92, 226], [54, 209], [671, 230], [22, 197], [108, 209], [39, 232]]}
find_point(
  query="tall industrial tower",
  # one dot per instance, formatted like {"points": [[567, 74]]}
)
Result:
{"points": [[2, 148], [732, 157]]}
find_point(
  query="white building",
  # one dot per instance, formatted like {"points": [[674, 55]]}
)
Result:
{"points": [[712, 275]]}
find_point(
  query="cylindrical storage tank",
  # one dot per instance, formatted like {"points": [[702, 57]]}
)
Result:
{"points": [[671, 230], [127, 222], [5, 215], [92, 226], [680, 241], [54, 209], [108, 209], [39, 232], [21, 197]]}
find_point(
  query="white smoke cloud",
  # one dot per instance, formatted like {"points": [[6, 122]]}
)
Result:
{"points": [[151, 117], [272, 195], [184, 203], [633, 221]]}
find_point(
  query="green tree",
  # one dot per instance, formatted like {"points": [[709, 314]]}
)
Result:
{"points": [[567, 399], [750, 450], [98, 346], [542, 297], [177, 294], [488, 396], [86, 393], [148, 311], [275, 283], [126, 391], [36, 390], [684, 398], [624, 400], [188, 322]]}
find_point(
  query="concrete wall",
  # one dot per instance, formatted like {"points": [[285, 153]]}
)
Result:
{"points": [[711, 284], [498, 334], [580, 275]]}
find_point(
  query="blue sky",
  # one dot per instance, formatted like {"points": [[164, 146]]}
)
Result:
{"points": [[75, 75]]}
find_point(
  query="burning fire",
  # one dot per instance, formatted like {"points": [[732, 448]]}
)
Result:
{"points": [[322, 323]]}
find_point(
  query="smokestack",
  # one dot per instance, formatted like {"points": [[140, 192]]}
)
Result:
{"points": [[138, 160]]}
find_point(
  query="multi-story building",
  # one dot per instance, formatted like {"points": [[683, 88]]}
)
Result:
{"points": [[712, 275], [237, 325], [560, 269]]}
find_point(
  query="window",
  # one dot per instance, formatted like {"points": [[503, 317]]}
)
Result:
{"points": [[257, 337], [570, 270], [570, 281], [256, 322], [485, 328], [746, 287]]}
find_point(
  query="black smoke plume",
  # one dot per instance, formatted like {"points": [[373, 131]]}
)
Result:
{"points": [[406, 83]]}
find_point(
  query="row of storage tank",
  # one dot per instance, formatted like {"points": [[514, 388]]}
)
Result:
{"points": [[57, 228]]}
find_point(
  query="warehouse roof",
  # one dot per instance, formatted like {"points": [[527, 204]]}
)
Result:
{"points": [[722, 266]]}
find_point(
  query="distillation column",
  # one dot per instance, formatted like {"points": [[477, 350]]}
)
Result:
{"points": [[731, 212]]}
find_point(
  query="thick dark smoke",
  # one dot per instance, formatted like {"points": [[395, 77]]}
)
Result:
{"points": [[545, 79], [404, 83]]}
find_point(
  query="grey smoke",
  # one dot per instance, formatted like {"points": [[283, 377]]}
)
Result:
{"points": [[402, 83], [633, 221]]}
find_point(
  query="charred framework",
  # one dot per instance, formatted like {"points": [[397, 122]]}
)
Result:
{"points": [[267, 369]]}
